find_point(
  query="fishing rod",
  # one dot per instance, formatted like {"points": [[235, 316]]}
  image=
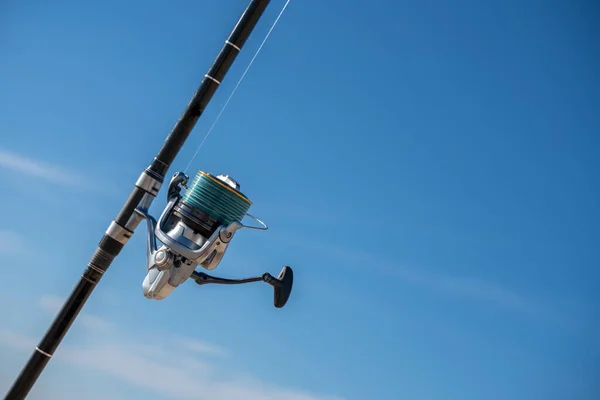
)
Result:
{"points": [[195, 228]]}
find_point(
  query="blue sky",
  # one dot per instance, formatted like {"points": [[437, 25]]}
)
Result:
{"points": [[429, 169]]}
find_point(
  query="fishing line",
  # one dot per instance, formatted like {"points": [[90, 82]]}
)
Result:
{"points": [[237, 85]]}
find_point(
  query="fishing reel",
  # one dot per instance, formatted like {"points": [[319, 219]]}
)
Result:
{"points": [[196, 229]]}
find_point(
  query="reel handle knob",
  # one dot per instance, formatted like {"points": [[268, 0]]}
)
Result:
{"points": [[282, 285]]}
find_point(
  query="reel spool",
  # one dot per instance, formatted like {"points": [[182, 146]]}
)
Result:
{"points": [[196, 229]]}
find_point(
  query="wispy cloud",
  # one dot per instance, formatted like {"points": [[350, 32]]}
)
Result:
{"points": [[202, 347], [164, 366], [11, 242], [472, 288], [51, 173], [35, 168], [53, 303]]}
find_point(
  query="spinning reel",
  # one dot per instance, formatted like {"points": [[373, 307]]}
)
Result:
{"points": [[196, 229]]}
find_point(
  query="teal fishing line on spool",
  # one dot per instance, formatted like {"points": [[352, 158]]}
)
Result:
{"points": [[217, 199]]}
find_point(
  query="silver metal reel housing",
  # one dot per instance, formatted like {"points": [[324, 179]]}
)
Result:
{"points": [[190, 238]]}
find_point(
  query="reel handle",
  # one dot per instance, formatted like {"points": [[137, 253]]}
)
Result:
{"points": [[282, 285]]}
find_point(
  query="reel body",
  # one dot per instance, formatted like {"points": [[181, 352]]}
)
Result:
{"points": [[195, 229]]}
